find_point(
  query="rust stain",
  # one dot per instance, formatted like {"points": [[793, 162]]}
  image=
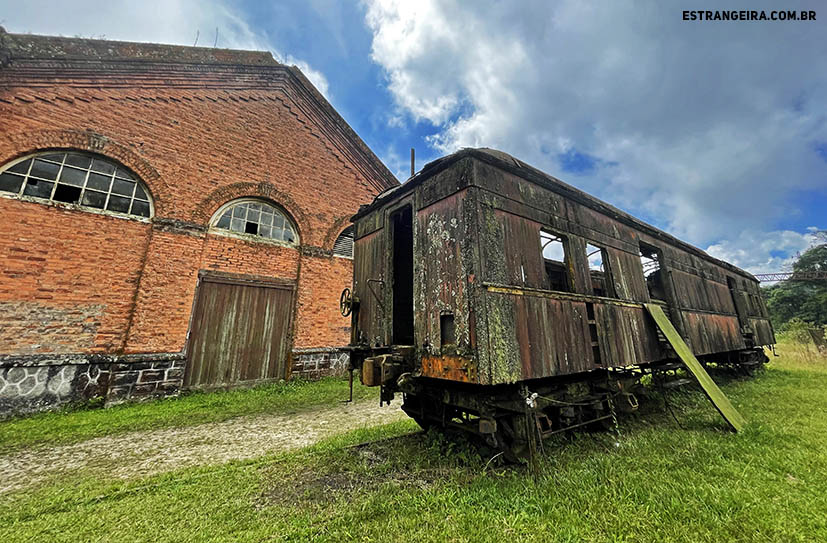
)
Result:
{"points": [[454, 368]]}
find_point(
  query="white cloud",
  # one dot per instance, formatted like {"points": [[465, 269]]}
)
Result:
{"points": [[177, 22], [705, 128], [764, 252]]}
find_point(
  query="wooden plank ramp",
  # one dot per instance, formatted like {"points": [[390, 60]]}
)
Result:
{"points": [[721, 402]]}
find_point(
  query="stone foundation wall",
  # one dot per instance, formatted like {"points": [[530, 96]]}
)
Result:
{"points": [[30, 388], [147, 377], [31, 383], [38, 382], [318, 363]]}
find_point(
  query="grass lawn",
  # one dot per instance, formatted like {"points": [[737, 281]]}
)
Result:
{"points": [[73, 425], [656, 482]]}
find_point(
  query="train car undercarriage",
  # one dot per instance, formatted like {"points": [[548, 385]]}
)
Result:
{"points": [[514, 419]]}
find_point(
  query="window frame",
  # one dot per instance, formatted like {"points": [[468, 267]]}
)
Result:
{"points": [[50, 201], [658, 253], [608, 278], [564, 241], [213, 227]]}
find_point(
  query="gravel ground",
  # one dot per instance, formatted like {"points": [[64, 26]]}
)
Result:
{"points": [[140, 454]]}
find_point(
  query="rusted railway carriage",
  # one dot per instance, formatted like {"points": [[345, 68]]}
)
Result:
{"points": [[503, 301]]}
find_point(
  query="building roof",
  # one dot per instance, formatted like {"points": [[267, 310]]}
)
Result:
{"points": [[34, 47], [32, 61], [519, 168]]}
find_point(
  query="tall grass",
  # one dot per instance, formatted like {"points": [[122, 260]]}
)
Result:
{"points": [[655, 481]]}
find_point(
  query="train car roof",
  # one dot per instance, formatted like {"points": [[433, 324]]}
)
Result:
{"points": [[519, 168]]}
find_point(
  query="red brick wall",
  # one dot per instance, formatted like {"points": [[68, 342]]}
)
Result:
{"points": [[319, 322], [69, 277]]}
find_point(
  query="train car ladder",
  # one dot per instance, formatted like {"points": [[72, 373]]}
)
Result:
{"points": [[721, 403]]}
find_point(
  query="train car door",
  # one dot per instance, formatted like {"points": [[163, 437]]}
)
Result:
{"points": [[402, 276], [739, 302]]}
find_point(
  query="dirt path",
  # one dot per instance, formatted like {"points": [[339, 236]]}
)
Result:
{"points": [[139, 454]]}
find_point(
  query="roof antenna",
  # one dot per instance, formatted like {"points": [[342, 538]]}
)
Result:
{"points": [[413, 163], [197, 33], [214, 45]]}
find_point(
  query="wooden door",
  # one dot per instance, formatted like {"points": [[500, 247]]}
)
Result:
{"points": [[240, 333]]}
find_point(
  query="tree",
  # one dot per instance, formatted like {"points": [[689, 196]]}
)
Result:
{"points": [[804, 300]]}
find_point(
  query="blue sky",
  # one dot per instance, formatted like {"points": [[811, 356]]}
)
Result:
{"points": [[716, 132]]}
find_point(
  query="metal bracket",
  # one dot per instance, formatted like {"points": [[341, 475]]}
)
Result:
{"points": [[378, 298]]}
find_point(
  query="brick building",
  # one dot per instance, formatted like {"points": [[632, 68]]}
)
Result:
{"points": [[168, 218]]}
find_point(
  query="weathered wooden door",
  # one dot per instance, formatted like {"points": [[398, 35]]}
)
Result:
{"points": [[240, 333]]}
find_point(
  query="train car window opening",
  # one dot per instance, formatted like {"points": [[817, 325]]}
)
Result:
{"points": [[650, 260], [598, 270], [402, 276], [553, 248], [447, 330]]}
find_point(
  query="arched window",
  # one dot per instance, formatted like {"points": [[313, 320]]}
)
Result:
{"points": [[74, 177], [256, 218], [344, 243]]}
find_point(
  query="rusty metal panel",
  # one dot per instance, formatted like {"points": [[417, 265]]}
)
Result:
{"points": [[240, 333], [369, 285], [710, 333], [451, 367], [625, 336], [444, 265]]}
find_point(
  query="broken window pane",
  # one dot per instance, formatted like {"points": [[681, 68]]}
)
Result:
{"points": [[67, 193], [596, 257], [256, 218], [553, 248], [650, 261], [81, 178]]}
